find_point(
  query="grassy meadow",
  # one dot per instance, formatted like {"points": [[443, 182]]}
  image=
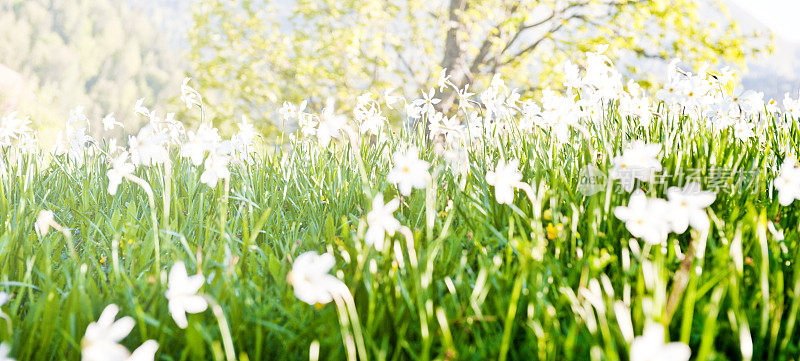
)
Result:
{"points": [[465, 273]]}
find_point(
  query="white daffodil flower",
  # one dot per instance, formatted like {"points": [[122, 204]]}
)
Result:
{"points": [[788, 181], [182, 294], [504, 178], [205, 139], [645, 217], [743, 130], [101, 340], [330, 124], [5, 350], [381, 221], [13, 127], [687, 207], [44, 220], [215, 168], [310, 279], [120, 167], [409, 171], [149, 146], [109, 122], [638, 161], [189, 96], [651, 346]]}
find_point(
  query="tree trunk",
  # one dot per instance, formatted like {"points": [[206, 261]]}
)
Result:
{"points": [[454, 58]]}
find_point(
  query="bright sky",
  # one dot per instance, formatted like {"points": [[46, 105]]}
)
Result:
{"points": [[780, 16]]}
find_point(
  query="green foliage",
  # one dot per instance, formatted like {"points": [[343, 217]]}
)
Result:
{"points": [[246, 54], [490, 280]]}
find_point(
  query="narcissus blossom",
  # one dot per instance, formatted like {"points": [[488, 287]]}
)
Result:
{"points": [[427, 104], [4, 352], [109, 122], [638, 161], [650, 346], [687, 207], [44, 220], [743, 130], [215, 168], [189, 96], [504, 178], [645, 218], [381, 221], [788, 181], [182, 294], [101, 340], [149, 147], [12, 126], [409, 171], [205, 139], [330, 124], [120, 167], [310, 279]]}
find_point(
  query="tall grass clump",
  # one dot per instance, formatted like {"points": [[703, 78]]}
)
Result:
{"points": [[598, 224]]}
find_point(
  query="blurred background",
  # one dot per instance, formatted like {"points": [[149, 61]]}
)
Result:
{"points": [[248, 57]]}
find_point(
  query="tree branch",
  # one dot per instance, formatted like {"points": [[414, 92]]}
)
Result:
{"points": [[544, 37]]}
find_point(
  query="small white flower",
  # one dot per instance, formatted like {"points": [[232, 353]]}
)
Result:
{"points": [[645, 217], [443, 80], [5, 350], [189, 96], [247, 133], [390, 98], [140, 109], [182, 294], [788, 181], [413, 111], [428, 102], [310, 279], [13, 127], [409, 171], [651, 346], [76, 115], [381, 221], [330, 124], [216, 168], [109, 122], [74, 139], [504, 178], [464, 96], [101, 341], [149, 147], [120, 167], [686, 207], [743, 130], [206, 139], [44, 220], [791, 107], [638, 161], [368, 115], [450, 128]]}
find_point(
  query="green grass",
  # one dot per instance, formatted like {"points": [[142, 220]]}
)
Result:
{"points": [[489, 283]]}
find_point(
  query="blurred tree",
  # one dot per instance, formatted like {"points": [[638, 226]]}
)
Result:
{"points": [[249, 55], [100, 54]]}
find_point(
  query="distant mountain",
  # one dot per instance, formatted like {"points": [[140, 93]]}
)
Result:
{"points": [[99, 54]]}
